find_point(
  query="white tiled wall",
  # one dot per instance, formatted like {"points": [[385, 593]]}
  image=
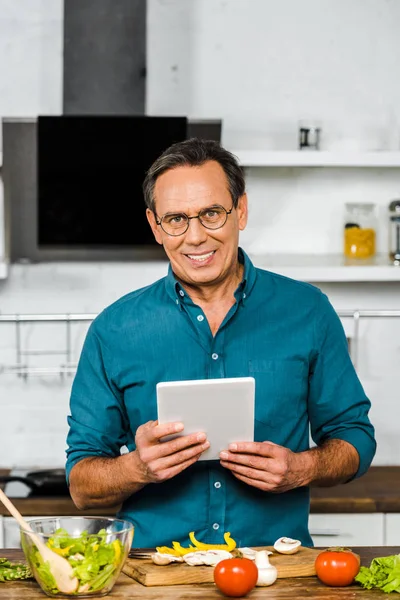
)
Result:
{"points": [[260, 66]]}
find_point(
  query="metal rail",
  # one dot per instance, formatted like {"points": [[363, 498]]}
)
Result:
{"points": [[22, 369], [52, 318], [68, 367]]}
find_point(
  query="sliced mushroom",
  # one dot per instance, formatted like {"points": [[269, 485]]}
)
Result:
{"points": [[159, 558], [248, 553], [206, 557], [286, 545]]}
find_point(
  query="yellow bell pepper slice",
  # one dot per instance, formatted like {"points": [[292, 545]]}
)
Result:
{"points": [[181, 550], [62, 551], [229, 545], [166, 550], [117, 550], [178, 550]]}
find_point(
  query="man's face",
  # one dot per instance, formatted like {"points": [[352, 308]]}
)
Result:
{"points": [[200, 256]]}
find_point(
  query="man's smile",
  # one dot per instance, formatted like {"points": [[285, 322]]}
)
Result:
{"points": [[201, 258]]}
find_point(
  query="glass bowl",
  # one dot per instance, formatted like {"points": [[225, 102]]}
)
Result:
{"points": [[96, 547]]}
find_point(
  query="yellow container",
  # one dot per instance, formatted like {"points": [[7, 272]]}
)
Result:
{"points": [[360, 231], [359, 243]]}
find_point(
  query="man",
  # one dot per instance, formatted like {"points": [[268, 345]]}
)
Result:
{"points": [[214, 315]]}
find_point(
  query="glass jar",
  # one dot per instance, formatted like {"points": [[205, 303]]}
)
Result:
{"points": [[360, 230], [394, 231]]}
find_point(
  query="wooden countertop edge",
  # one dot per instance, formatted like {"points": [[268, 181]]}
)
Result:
{"points": [[347, 505], [53, 506]]}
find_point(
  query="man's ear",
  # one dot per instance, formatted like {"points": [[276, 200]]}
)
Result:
{"points": [[154, 227], [242, 212]]}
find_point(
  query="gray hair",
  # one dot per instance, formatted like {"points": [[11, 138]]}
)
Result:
{"points": [[194, 153]]}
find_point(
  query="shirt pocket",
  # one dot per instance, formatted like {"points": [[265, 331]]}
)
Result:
{"points": [[281, 390]]}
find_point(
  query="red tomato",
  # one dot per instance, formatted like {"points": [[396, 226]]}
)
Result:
{"points": [[235, 576], [337, 567]]}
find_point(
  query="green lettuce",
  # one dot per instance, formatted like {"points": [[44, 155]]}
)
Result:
{"points": [[383, 573], [94, 559]]}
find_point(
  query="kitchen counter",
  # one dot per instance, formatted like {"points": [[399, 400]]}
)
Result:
{"points": [[302, 588], [377, 491]]}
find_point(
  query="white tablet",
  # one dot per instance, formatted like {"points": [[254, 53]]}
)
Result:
{"points": [[222, 408]]}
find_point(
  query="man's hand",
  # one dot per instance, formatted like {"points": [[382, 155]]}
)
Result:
{"points": [[273, 468], [158, 461], [265, 465]]}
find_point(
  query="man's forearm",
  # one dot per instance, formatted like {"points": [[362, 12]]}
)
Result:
{"points": [[97, 481], [335, 461]]}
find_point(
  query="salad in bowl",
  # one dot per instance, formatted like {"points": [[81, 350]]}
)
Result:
{"points": [[95, 547]]}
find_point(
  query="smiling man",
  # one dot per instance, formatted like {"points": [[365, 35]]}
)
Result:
{"points": [[214, 315]]}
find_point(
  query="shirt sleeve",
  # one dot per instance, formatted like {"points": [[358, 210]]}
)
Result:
{"points": [[97, 421], [337, 404]]}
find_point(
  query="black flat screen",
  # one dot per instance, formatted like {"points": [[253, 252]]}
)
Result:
{"points": [[90, 175]]}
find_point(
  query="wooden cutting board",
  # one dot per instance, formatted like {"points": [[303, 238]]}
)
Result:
{"points": [[147, 573]]}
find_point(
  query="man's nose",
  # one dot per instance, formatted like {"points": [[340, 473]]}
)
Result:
{"points": [[196, 233]]}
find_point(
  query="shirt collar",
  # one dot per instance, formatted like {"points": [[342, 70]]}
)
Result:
{"points": [[176, 293], [249, 277]]}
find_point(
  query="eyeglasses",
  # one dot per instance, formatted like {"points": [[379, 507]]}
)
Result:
{"points": [[212, 217]]}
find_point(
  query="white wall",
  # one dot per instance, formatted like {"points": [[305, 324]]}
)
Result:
{"points": [[263, 65], [260, 66], [31, 33], [31, 40]]}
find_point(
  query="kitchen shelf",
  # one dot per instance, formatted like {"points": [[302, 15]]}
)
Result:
{"points": [[260, 158], [328, 267]]}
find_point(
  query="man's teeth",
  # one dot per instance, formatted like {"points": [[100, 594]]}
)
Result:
{"points": [[201, 257]]}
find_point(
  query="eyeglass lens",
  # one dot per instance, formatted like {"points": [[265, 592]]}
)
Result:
{"points": [[212, 218]]}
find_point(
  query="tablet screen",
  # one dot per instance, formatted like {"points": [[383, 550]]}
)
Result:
{"points": [[222, 408]]}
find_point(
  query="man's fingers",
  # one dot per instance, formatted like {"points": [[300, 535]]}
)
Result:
{"points": [[261, 485], [153, 432], [179, 443], [267, 449], [169, 473], [253, 474], [162, 466]]}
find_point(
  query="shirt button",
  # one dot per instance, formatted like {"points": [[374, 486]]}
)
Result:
{"points": [[217, 484], [214, 356], [181, 293], [200, 318], [215, 526], [244, 296]]}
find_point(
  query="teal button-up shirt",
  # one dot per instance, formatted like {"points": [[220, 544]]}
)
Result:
{"points": [[282, 332]]}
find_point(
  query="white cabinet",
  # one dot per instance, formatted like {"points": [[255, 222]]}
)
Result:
{"points": [[392, 529], [348, 529], [11, 536]]}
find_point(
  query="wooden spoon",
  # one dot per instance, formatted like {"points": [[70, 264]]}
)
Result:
{"points": [[60, 568]]}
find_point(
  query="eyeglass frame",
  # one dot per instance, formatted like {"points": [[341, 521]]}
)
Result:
{"points": [[228, 212]]}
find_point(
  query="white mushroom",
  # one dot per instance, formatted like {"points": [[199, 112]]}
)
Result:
{"points": [[159, 558], [248, 553], [267, 573], [206, 557], [286, 545]]}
